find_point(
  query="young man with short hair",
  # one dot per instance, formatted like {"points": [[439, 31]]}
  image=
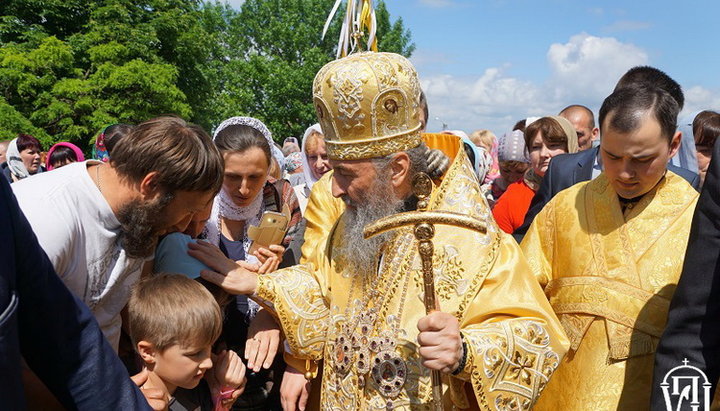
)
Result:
{"points": [[99, 222], [609, 253]]}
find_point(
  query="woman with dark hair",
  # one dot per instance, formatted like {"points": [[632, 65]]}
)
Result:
{"points": [[706, 129], [248, 191], [23, 158], [106, 141], [62, 154], [544, 139]]}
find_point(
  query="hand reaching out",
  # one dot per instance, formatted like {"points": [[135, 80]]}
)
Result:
{"points": [[263, 341]]}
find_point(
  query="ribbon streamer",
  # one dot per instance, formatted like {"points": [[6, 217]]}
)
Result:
{"points": [[359, 18]]}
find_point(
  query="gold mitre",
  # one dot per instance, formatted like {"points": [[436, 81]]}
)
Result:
{"points": [[368, 105]]}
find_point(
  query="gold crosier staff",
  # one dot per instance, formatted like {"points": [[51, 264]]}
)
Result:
{"points": [[424, 229]]}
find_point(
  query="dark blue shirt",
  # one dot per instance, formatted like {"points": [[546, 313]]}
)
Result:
{"points": [[55, 332]]}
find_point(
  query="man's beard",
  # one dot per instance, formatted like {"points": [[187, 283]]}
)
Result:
{"points": [[140, 223], [379, 201]]}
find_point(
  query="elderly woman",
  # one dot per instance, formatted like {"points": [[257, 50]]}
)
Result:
{"points": [[315, 162], [513, 162], [544, 139]]}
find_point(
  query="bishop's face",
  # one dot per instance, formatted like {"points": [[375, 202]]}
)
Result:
{"points": [[352, 180]]}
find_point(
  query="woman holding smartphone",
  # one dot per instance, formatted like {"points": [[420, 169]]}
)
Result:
{"points": [[248, 192]]}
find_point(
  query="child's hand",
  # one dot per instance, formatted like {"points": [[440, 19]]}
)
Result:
{"points": [[263, 341], [229, 370], [227, 379]]}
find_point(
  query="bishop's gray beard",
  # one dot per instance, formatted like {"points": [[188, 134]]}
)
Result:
{"points": [[379, 201]]}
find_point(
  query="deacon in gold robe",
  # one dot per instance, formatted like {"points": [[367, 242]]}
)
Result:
{"points": [[358, 306], [609, 253]]}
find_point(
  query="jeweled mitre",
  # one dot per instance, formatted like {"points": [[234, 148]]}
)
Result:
{"points": [[368, 105]]}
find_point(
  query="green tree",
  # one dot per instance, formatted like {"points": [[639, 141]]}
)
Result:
{"points": [[70, 67], [280, 50]]}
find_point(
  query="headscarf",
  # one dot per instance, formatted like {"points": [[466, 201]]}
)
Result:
{"points": [[307, 170], [99, 151], [223, 205], [78, 153], [494, 169], [482, 159], [15, 162], [259, 126], [533, 180], [570, 133], [512, 147], [293, 161], [531, 120]]}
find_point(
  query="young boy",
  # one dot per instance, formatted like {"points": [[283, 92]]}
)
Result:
{"points": [[173, 323]]}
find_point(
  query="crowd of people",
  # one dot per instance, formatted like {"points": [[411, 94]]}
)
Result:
{"points": [[146, 258]]}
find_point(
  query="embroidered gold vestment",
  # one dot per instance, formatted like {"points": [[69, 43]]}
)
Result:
{"points": [[365, 329], [609, 277]]}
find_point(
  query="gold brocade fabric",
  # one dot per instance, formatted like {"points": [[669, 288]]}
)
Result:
{"points": [[368, 105], [322, 212], [514, 340], [609, 277]]}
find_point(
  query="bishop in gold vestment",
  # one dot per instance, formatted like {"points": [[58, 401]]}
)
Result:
{"points": [[366, 334], [609, 276]]}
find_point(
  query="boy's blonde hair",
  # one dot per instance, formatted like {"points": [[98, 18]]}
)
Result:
{"points": [[171, 309]]}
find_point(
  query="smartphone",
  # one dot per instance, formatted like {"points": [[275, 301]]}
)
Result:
{"points": [[271, 230]]}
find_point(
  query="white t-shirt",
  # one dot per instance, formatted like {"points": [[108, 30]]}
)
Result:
{"points": [[79, 232]]}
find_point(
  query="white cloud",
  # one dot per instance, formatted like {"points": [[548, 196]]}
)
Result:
{"points": [[587, 67], [698, 98], [493, 100], [583, 71]]}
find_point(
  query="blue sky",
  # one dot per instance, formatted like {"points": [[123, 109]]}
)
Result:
{"points": [[489, 63]]}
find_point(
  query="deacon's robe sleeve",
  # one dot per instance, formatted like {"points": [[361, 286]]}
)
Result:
{"points": [[514, 340], [538, 244]]}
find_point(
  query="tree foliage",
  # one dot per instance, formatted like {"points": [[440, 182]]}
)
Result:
{"points": [[70, 67]]}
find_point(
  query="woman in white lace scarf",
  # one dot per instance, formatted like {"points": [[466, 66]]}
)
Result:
{"points": [[248, 191]]}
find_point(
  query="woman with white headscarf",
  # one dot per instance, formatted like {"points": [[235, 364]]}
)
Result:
{"points": [[23, 158], [248, 191], [315, 162]]}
